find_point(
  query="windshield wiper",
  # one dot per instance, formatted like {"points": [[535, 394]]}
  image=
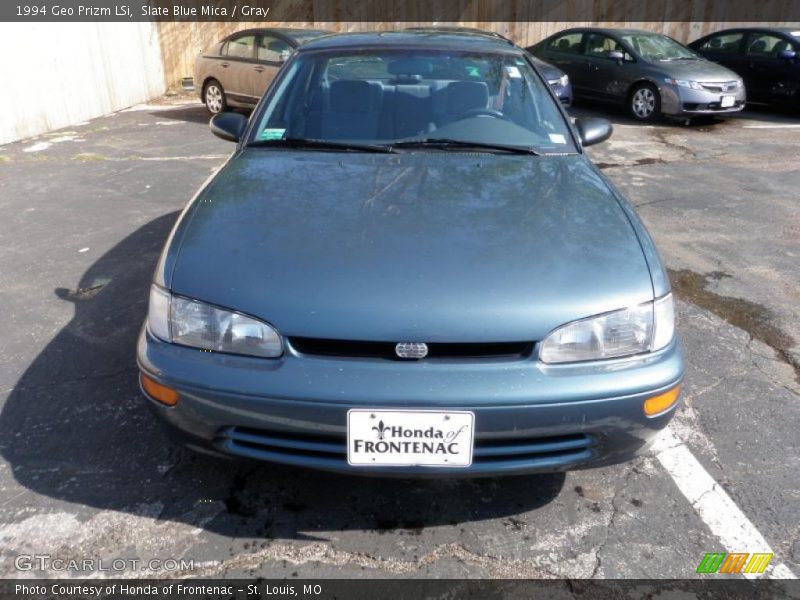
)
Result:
{"points": [[445, 143], [310, 143]]}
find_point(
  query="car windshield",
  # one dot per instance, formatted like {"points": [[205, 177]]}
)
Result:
{"points": [[658, 47], [382, 98]]}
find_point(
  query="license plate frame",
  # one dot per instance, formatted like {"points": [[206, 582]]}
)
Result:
{"points": [[444, 438]]}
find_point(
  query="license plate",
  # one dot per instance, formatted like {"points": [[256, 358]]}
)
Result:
{"points": [[405, 438], [727, 101]]}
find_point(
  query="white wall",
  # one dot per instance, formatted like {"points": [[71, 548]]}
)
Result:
{"points": [[54, 75]]}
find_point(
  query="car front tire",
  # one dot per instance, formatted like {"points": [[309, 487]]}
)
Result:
{"points": [[214, 97], [644, 103]]}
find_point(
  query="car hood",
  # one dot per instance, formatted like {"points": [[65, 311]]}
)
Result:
{"points": [[697, 70], [423, 246]]}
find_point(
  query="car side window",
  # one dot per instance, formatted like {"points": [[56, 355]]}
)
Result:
{"points": [[570, 43], [726, 43], [600, 46], [272, 49], [765, 45], [240, 47]]}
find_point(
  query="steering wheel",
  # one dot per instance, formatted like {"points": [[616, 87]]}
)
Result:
{"points": [[484, 112]]}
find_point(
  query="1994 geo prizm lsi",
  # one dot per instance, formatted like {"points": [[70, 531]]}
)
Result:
{"points": [[409, 267]]}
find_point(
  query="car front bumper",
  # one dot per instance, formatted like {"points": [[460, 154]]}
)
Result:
{"points": [[676, 100], [528, 417]]}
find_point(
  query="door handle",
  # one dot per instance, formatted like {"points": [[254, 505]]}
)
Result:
{"points": [[225, 65], [259, 69]]}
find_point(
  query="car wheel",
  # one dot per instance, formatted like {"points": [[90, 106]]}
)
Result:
{"points": [[645, 102], [214, 97]]}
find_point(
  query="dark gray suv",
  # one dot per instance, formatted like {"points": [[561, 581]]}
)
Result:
{"points": [[649, 72]]}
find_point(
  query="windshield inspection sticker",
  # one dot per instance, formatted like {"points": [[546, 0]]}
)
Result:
{"points": [[557, 138], [513, 72], [272, 134]]}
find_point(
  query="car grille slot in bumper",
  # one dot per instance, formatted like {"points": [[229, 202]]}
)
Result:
{"points": [[331, 450], [720, 87], [386, 350]]}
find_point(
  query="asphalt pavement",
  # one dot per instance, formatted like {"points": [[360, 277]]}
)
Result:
{"points": [[85, 471]]}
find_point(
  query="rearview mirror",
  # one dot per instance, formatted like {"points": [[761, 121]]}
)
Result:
{"points": [[592, 130], [228, 126], [616, 55], [787, 54]]}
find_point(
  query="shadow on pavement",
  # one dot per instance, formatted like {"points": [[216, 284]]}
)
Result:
{"points": [[619, 115], [193, 113], [76, 429]]}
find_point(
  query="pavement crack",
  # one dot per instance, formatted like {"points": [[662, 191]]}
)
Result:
{"points": [[495, 566], [615, 510]]}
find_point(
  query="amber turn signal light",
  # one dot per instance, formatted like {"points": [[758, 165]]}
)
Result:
{"points": [[658, 404], [158, 392]]}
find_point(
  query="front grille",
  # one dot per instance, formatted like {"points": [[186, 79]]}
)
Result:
{"points": [[331, 450], [386, 350], [710, 107], [720, 86]]}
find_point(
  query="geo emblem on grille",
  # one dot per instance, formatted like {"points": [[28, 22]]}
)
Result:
{"points": [[411, 350]]}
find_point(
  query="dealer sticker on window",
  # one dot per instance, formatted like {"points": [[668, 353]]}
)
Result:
{"points": [[273, 134], [410, 438]]}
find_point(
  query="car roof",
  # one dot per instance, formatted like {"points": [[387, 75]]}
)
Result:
{"points": [[606, 31], [434, 40], [783, 30], [461, 30], [290, 32]]}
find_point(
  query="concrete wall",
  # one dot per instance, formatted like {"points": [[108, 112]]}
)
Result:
{"points": [[57, 74]]}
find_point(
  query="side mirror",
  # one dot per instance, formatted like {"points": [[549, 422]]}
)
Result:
{"points": [[617, 56], [228, 125], [787, 54], [592, 130]]}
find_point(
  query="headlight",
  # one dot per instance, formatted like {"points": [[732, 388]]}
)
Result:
{"points": [[200, 325], [644, 328], [563, 81], [739, 82], [684, 83]]}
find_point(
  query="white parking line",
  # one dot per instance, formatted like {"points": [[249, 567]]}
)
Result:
{"points": [[199, 157], [773, 126], [712, 503]]}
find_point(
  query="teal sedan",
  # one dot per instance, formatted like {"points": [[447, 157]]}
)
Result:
{"points": [[409, 266]]}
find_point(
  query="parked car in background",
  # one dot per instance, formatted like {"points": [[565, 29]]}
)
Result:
{"points": [[766, 58], [238, 70], [649, 73], [557, 79], [409, 266]]}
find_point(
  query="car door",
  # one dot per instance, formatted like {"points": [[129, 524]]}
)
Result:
{"points": [[769, 77], [607, 78], [238, 56], [725, 48], [271, 53], [565, 52]]}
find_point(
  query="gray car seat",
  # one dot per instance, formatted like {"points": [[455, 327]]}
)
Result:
{"points": [[352, 112]]}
